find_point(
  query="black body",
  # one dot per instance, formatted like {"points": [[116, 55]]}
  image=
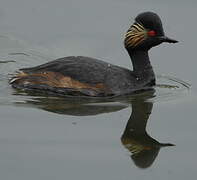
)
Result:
{"points": [[118, 80]]}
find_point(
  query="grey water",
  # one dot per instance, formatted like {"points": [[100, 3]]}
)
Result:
{"points": [[151, 135]]}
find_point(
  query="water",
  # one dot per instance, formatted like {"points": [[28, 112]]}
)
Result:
{"points": [[146, 136]]}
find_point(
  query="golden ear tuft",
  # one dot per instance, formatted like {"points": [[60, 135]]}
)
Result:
{"points": [[135, 35]]}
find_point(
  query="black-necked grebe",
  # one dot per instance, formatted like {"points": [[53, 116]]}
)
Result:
{"points": [[84, 76]]}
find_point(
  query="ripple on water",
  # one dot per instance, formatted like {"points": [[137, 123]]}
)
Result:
{"points": [[15, 54], [170, 88]]}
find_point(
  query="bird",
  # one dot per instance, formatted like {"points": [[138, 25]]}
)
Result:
{"points": [[90, 77]]}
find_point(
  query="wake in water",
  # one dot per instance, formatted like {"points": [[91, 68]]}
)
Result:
{"points": [[15, 54]]}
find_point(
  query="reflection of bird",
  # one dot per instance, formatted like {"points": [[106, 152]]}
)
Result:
{"points": [[144, 148], [86, 76], [72, 107]]}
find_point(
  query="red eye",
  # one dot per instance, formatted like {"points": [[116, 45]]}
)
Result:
{"points": [[151, 33]]}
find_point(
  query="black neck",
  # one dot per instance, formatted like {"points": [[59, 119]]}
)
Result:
{"points": [[140, 60]]}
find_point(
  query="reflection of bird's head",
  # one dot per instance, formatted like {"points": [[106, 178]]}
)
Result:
{"points": [[145, 159], [144, 149], [142, 155]]}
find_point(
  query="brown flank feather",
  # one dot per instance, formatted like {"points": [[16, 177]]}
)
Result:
{"points": [[54, 79]]}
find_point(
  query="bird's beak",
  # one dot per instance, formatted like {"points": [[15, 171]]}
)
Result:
{"points": [[167, 39]]}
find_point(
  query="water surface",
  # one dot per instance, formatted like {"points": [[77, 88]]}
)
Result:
{"points": [[147, 136]]}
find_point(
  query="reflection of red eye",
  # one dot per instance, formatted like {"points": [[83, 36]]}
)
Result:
{"points": [[152, 33]]}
